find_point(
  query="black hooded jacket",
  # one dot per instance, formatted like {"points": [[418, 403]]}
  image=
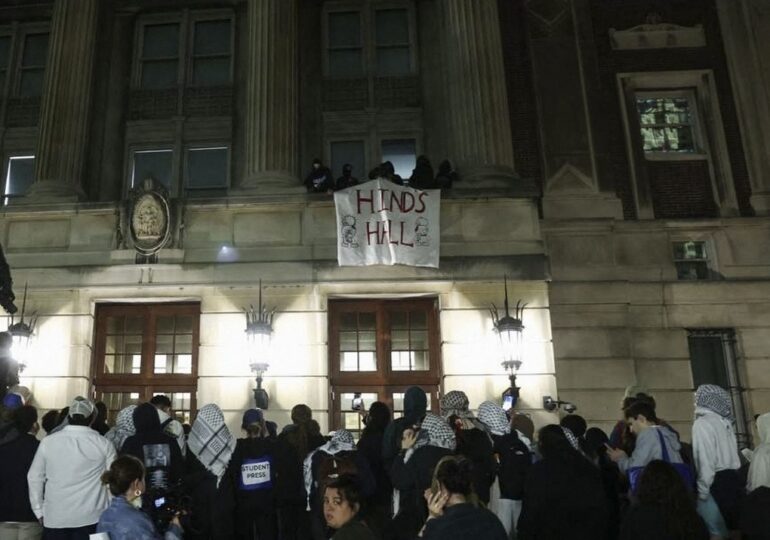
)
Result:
{"points": [[17, 450], [415, 407], [159, 452]]}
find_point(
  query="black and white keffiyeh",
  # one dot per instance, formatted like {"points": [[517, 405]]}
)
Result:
{"points": [[494, 418], [455, 403], [435, 431], [715, 399], [573, 441], [342, 441], [123, 429], [210, 441]]}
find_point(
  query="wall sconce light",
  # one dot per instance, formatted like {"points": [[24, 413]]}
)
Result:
{"points": [[259, 334], [23, 333], [510, 332]]}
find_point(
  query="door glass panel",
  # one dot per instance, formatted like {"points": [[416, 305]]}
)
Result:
{"points": [[117, 401], [173, 345], [353, 419], [358, 342], [123, 345], [181, 405]]}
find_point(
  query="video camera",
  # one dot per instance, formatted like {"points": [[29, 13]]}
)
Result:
{"points": [[167, 504]]}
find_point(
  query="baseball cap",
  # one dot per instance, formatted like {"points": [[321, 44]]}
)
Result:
{"points": [[252, 416], [13, 401], [81, 406]]}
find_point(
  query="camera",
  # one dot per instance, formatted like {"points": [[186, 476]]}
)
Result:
{"points": [[167, 504], [358, 402]]}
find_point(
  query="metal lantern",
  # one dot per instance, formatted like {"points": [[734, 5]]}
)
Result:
{"points": [[22, 332], [510, 332], [259, 334]]}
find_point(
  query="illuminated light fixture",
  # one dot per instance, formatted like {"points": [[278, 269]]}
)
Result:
{"points": [[22, 333], [259, 334], [510, 332]]}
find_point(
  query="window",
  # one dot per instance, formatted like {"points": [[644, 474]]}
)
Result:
{"points": [[351, 152], [378, 348], [164, 59], [207, 170], [370, 42], [402, 153], [23, 56], [667, 121], [146, 349], [691, 260], [713, 361], [345, 48], [155, 164], [393, 49], [19, 176]]}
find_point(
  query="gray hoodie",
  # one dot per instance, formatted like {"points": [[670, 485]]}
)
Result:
{"points": [[648, 448]]}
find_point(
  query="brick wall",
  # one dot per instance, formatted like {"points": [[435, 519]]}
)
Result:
{"points": [[521, 99], [681, 189], [609, 132]]}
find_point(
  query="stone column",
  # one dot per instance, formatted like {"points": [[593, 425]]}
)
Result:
{"points": [[272, 98], [745, 26], [480, 143], [66, 102]]}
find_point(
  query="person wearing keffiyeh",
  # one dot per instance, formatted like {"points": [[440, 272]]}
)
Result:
{"points": [[123, 429], [411, 471], [210, 448], [715, 449], [337, 457], [514, 460], [473, 441]]}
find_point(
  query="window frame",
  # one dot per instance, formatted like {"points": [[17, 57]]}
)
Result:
{"points": [[703, 83], [709, 260], [186, 20], [384, 375], [146, 377], [134, 149], [698, 154], [7, 169], [733, 377], [367, 12], [205, 146]]}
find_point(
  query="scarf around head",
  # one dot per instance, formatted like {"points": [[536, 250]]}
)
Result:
{"points": [[123, 429], [759, 470], [435, 431], [341, 441], [494, 418], [210, 441], [455, 403], [716, 399]]}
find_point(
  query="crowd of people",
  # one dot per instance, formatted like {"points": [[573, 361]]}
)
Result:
{"points": [[454, 475]]}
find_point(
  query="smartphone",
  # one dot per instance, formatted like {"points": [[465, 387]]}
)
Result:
{"points": [[160, 502], [507, 403], [358, 402]]}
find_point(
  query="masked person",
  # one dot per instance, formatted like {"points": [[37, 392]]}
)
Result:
{"points": [[123, 428], [319, 179]]}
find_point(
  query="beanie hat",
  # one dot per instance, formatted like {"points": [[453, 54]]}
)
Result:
{"points": [[252, 416]]}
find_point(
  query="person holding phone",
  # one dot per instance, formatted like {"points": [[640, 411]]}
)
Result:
{"points": [[124, 519], [454, 511]]}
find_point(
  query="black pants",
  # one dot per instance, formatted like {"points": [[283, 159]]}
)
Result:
{"points": [[728, 490], [256, 526], [75, 533]]}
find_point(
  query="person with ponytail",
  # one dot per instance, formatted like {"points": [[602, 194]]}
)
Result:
{"points": [[453, 506], [124, 519]]}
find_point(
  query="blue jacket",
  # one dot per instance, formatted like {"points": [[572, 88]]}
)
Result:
{"points": [[124, 522]]}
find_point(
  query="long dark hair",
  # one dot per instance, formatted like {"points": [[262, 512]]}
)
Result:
{"points": [[660, 485], [305, 429], [377, 419]]}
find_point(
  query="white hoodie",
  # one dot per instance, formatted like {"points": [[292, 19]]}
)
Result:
{"points": [[714, 446], [759, 471]]}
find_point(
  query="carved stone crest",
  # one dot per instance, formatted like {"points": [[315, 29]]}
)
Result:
{"points": [[148, 217]]}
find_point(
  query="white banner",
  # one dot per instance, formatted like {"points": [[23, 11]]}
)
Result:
{"points": [[383, 223]]}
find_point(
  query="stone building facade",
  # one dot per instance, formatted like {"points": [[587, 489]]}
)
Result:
{"points": [[613, 164]]}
